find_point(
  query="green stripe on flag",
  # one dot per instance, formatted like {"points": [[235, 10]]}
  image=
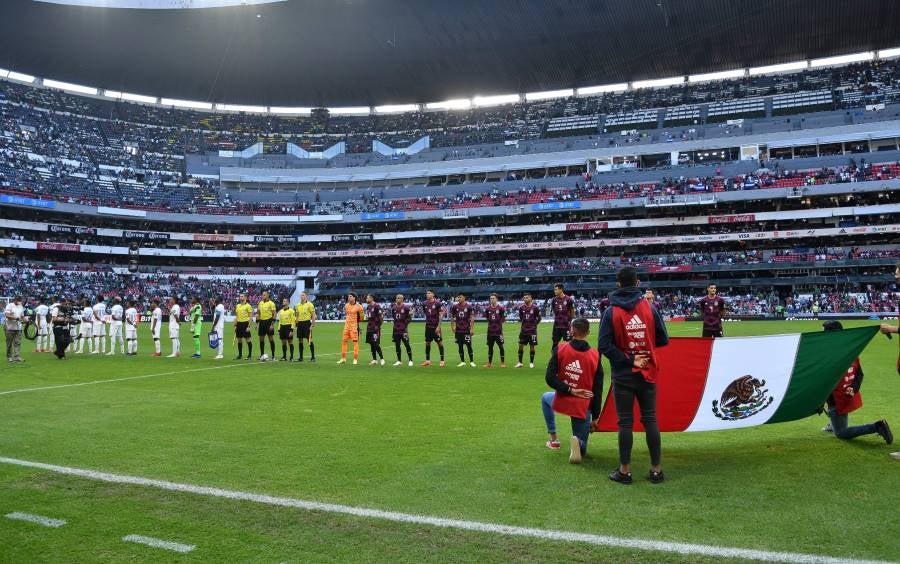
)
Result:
{"points": [[822, 358]]}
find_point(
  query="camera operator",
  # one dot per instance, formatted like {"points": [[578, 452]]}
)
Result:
{"points": [[62, 328]]}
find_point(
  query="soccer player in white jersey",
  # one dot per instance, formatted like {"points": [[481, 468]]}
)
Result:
{"points": [[86, 333], [156, 327], [116, 336], [219, 324], [54, 311], [98, 326], [131, 323], [41, 344], [174, 328]]}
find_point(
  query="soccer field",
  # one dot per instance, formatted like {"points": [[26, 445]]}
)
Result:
{"points": [[465, 444]]}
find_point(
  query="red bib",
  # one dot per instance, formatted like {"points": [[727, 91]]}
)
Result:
{"points": [[635, 333], [843, 403], [577, 370]]}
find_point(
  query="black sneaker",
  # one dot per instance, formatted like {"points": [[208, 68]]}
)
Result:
{"points": [[617, 476], [313, 359], [299, 360], [249, 357], [282, 359], [238, 357], [656, 477], [883, 429]]}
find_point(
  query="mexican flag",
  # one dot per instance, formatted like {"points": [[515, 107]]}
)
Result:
{"points": [[708, 385]]}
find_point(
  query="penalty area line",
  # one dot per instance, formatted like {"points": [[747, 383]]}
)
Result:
{"points": [[475, 526]]}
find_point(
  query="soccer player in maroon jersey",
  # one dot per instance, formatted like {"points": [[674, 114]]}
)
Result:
{"points": [[563, 307], [373, 329], [402, 315], [462, 322], [495, 315], [434, 310], [529, 317], [712, 306]]}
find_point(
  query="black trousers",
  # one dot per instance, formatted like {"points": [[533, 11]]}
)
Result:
{"points": [[625, 390], [63, 339]]}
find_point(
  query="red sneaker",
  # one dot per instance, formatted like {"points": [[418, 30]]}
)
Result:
{"points": [[552, 445], [502, 365], [426, 363], [156, 354], [487, 365]]}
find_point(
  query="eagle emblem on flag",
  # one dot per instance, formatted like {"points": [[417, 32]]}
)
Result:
{"points": [[742, 398]]}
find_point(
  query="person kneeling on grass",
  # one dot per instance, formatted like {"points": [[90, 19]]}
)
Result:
{"points": [[846, 399], [574, 371]]}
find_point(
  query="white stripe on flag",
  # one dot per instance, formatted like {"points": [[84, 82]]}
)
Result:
{"points": [[768, 358]]}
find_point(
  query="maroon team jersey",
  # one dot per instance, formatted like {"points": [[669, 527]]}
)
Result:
{"points": [[432, 313], [711, 311], [495, 316], [529, 317], [463, 316], [402, 317], [375, 318], [561, 306]]}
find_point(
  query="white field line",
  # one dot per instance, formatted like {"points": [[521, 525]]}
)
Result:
{"points": [[141, 377], [476, 526], [159, 543], [39, 519]]}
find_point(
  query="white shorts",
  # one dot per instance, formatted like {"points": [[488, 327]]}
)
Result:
{"points": [[155, 334], [86, 330], [174, 333], [115, 328], [131, 333], [220, 331], [99, 329], [43, 328]]}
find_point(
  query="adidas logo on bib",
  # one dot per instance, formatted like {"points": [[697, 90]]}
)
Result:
{"points": [[574, 366], [635, 323]]}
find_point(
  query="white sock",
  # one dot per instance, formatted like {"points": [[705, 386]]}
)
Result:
{"points": [[221, 345], [157, 345]]}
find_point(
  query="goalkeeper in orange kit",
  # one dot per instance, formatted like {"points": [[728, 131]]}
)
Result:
{"points": [[353, 317]]}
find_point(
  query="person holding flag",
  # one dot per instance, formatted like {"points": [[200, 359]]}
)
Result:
{"points": [[630, 332], [576, 375], [196, 320]]}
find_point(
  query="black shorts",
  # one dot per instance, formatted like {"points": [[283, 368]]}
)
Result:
{"points": [[266, 327], [373, 338], [431, 334], [713, 333], [561, 334], [286, 332], [242, 329], [495, 340], [463, 338], [525, 339], [400, 338], [304, 329]]}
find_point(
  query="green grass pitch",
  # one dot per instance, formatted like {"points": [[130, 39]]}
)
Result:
{"points": [[463, 443]]}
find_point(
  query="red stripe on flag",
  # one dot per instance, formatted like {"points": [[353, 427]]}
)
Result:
{"points": [[683, 364]]}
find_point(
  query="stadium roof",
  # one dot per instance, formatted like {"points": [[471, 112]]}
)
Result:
{"points": [[370, 52]]}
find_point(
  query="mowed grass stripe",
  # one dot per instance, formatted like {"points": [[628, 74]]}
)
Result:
{"points": [[476, 526]]}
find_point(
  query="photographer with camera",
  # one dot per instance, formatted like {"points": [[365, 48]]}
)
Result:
{"points": [[62, 327], [13, 316]]}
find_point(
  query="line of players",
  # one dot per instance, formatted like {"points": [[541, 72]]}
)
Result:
{"points": [[86, 326], [91, 335]]}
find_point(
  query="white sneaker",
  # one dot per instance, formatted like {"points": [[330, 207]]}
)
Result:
{"points": [[461, 364], [530, 365], [574, 451], [382, 362], [109, 354], [410, 363], [373, 362], [218, 356], [519, 365], [895, 455], [170, 356], [95, 352], [398, 363], [341, 361], [355, 361], [472, 364], [827, 428]]}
